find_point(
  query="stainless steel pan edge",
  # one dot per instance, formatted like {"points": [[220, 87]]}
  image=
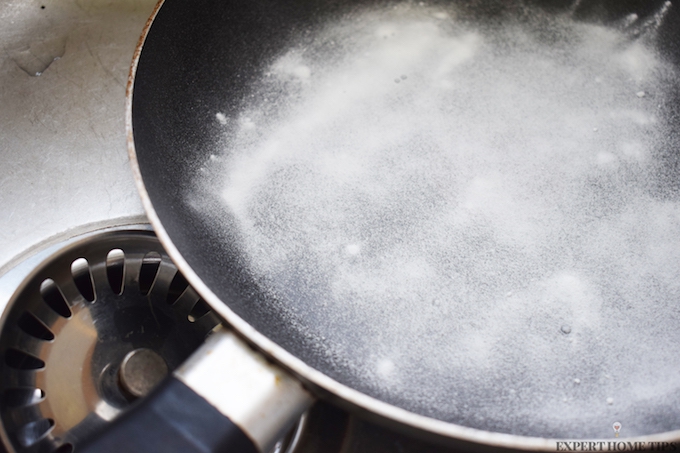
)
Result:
{"points": [[317, 382]]}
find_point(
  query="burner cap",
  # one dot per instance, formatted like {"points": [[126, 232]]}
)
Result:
{"points": [[94, 327]]}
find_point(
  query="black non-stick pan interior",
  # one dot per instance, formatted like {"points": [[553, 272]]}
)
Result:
{"points": [[202, 66]]}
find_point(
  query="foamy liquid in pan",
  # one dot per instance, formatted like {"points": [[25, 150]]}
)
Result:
{"points": [[472, 220]]}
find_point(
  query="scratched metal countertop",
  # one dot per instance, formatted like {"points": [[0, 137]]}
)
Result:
{"points": [[64, 167]]}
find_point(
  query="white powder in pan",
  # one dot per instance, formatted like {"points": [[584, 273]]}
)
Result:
{"points": [[472, 217]]}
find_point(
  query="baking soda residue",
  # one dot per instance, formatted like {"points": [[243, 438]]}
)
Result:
{"points": [[470, 216]]}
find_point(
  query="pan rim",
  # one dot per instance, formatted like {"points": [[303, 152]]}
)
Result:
{"points": [[316, 381]]}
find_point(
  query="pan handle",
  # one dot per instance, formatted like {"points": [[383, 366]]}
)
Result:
{"points": [[225, 398]]}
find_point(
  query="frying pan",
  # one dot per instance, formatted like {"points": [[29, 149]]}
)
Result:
{"points": [[203, 57]]}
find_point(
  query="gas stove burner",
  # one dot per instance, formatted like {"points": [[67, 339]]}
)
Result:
{"points": [[93, 328]]}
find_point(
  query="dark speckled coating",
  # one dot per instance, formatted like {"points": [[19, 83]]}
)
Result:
{"points": [[199, 58]]}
